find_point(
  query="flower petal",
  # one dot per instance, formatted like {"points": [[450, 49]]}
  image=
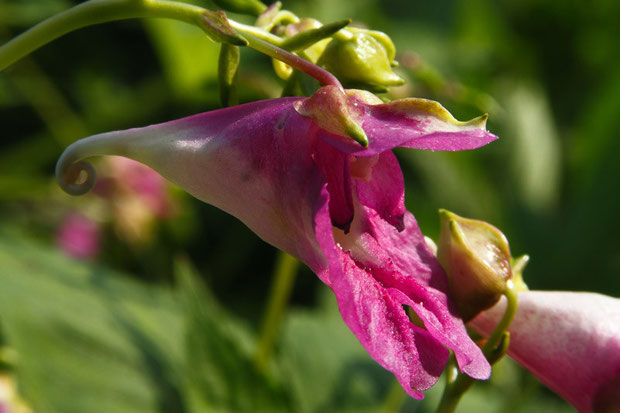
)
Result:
{"points": [[406, 264], [376, 318], [266, 164], [384, 190], [412, 123], [336, 169], [570, 341]]}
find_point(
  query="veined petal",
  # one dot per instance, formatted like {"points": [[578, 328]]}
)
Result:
{"points": [[374, 271], [403, 262], [569, 340], [377, 320]]}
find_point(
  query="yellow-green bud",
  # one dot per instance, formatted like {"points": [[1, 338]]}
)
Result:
{"points": [[358, 58], [476, 258], [382, 38]]}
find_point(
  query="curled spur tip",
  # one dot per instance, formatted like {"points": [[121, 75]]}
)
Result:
{"points": [[76, 178]]}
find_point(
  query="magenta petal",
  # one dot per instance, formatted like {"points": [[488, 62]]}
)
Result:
{"points": [[384, 191], [335, 167], [378, 321], [569, 341], [408, 266], [412, 123], [364, 271]]}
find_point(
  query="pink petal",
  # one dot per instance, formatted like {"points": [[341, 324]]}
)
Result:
{"points": [[412, 123], [570, 341], [408, 266], [378, 321], [78, 236], [384, 190], [336, 169]]}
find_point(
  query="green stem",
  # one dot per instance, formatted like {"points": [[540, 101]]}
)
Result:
{"points": [[512, 302], [102, 11], [256, 32], [457, 384], [281, 287], [87, 14], [303, 65], [450, 398]]}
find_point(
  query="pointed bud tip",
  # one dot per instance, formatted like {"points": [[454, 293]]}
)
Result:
{"points": [[357, 133], [482, 120], [476, 258]]}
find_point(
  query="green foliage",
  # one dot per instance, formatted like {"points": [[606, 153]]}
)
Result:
{"points": [[77, 327], [89, 339]]}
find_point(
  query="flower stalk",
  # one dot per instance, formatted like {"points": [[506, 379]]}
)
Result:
{"points": [[494, 349], [213, 23], [281, 288], [102, 11]]}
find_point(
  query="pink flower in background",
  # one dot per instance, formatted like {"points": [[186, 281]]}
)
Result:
{"points": [[289, 170], [78, 236], [136, 197], [126, 177], [131, 196], [570, 341]]}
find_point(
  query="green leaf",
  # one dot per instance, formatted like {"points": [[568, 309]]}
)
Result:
{"points": [[88, 339], [534, 146], [324, 365], [228, 66], [188, 56], [220, 375]]}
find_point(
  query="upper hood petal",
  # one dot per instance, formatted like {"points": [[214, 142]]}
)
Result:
{"points": [[410, 123]]}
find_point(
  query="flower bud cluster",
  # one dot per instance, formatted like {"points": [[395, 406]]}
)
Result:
{"points": [[359, 58]]}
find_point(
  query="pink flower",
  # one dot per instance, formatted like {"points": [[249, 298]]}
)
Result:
{"points": [[570, 341], [78, 236], [127, 178], [288, 169]]}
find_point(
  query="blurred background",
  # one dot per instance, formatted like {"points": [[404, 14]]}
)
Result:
{"points": [[137, 297]]}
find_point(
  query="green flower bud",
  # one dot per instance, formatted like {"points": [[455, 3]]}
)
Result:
{"points": [[476, 258], [358, 58], [382, 38]]}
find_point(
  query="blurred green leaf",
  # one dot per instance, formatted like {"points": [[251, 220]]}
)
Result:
{"points": [[88, 339], [534, 146], [325, 366], [189, 58], [219, 370]]}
